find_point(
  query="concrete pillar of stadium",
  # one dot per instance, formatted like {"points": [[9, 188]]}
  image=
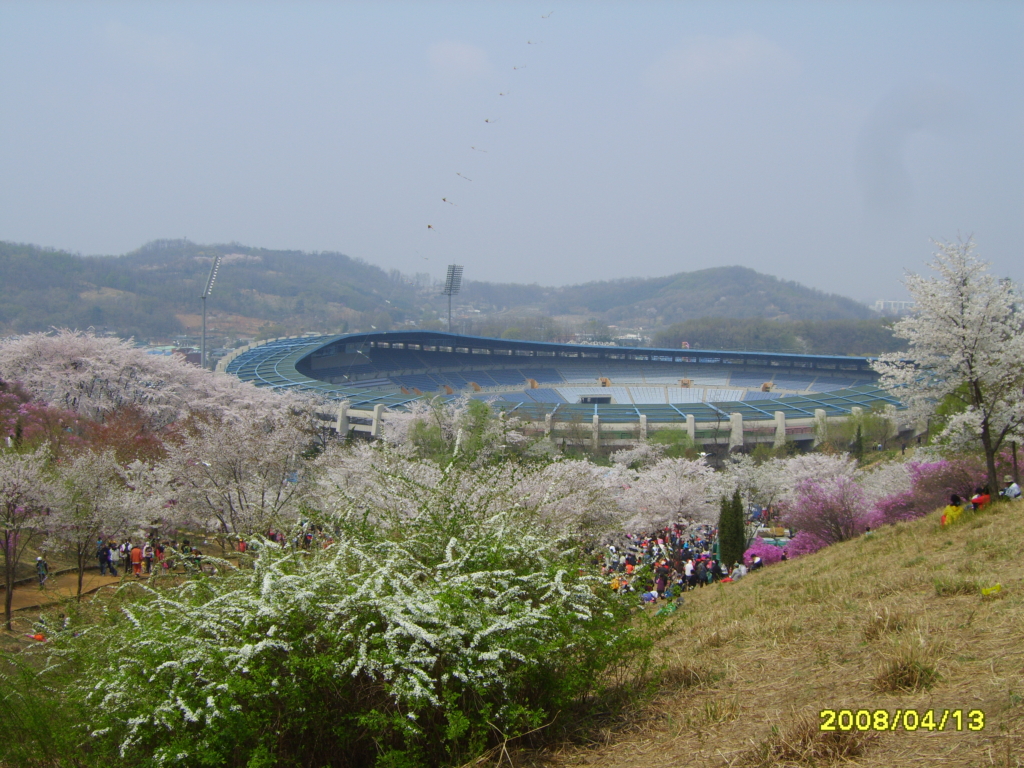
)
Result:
{"points": [[643, 426], [820, 420], [780, 429], [547, 425], [595, 439], [341, 425], [378, 422], [735, 430], [691, 427]]}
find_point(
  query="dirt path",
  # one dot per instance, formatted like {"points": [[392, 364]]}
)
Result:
{"points": [[59, 588]]}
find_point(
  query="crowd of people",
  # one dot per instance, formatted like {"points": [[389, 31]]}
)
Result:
{"points": [[139, 558], [665, 563]]}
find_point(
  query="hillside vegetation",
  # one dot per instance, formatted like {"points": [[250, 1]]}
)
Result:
{"points": [[154, 292], [716, 292], [894, 620], [823, 337]]}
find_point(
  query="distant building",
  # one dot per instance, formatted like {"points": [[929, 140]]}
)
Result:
{"points": [[888, 307]]}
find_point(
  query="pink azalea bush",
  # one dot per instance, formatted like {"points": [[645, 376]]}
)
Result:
{"points": [[833, 509], [804, 543], [769, 553]]}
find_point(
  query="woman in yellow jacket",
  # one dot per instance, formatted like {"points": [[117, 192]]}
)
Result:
{"points": [[952, 512]]}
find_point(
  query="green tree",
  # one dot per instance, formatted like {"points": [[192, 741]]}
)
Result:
{"points": [[732, 536]]}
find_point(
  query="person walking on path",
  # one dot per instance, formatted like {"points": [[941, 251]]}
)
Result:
{"points": [[103, 556], [112, 559], [136, 558], [147, 556], [42, 571]]}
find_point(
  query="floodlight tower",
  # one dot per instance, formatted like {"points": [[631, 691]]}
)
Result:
{"points": [[452, 285], [214, 268]]}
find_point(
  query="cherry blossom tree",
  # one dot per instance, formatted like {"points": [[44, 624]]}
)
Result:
{"points": [[670, 491], [966, 341], [23, 511], [643, 454], [89, 501], [96, 376], [239, 476]]}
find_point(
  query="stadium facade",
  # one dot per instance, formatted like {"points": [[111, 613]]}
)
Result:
{"points": [[596, 395]]}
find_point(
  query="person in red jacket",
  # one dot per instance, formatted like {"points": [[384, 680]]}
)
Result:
{"points": [[137, 561], [981, 497]]}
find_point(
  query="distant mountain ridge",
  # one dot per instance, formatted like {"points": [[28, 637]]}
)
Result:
{"points": [[737, 292], [154, 292]]}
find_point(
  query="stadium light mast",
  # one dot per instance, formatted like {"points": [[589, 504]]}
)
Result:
{"points": [[452, 285], [214, 268]]}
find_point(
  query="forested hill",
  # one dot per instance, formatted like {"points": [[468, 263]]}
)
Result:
{"points": [[155, 290], [737, 292], [153, 293]]}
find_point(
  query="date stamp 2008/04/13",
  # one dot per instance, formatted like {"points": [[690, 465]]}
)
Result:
{"points": [[901, 719]]}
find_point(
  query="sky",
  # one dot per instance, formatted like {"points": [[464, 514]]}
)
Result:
{"points": [[823, 142]]}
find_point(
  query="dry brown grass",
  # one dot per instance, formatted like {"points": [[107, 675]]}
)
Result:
{"points": [[804, 744], [862, 625]]}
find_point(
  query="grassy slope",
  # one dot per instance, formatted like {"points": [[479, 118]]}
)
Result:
{"points": [[828, 631]]}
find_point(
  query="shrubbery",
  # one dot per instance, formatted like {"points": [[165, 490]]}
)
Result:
{"points": [[418, 637]]}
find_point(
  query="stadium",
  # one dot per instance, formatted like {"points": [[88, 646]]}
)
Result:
{"points": [[590, 394]]}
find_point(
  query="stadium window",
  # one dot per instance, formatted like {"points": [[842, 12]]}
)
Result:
{"points": [[802, 364], [848, 367], [710, 360], [503, 351], [544, 353], [429, 348], [414, 347], [589, 354], [462, 350], [733, 361], [398, 345], [382, 345], [481, 351], [524, 352], [827, 366], [444, 349]]}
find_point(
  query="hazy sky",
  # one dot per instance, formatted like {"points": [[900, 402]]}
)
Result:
{"points": [[825, 142]]}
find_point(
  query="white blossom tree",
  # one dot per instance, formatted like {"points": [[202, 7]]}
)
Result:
{"points": [[669, 491], [966, 339], [89, 501], [23, 510], [94, 376], [239, 476]]}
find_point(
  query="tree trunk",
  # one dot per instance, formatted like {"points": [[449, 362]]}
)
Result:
{"points": [[8, 591], [81, 572], [990, 459]]}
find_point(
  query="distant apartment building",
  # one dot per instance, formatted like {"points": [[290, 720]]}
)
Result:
{"points": [[887, 307]]}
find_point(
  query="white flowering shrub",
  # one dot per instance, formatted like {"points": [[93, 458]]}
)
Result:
{"points": [[412, 634]]}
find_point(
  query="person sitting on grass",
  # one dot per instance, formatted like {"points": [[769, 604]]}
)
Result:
{"points": [[952, 512], [981, 497], [1012, 490]]}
